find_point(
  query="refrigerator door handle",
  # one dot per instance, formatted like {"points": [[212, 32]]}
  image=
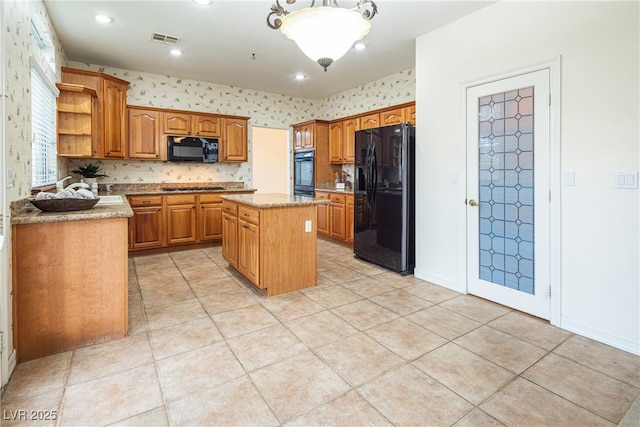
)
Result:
{"points": [[369, 177], [374, 174]]}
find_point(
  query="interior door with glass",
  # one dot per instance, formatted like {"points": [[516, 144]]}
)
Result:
{"points": [[508, 208]]}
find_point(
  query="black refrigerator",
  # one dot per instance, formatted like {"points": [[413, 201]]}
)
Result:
{"points": [[384, 197]]}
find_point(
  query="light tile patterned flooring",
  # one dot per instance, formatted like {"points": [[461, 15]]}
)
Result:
{"points": [[364, 347]]}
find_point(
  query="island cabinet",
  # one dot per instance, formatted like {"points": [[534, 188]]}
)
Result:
{"points": [[276, 241], [111, 119], [70, 284], [230, 233]]}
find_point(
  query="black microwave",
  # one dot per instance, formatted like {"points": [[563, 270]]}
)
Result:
{"points": [[192, 149]]}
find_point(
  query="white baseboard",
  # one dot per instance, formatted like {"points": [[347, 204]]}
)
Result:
{"points": [[437, 280], [616, 341]]}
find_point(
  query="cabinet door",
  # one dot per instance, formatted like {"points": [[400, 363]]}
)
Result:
{"points": [[176, 123], [144, 134], [349, 128], [391, 117], [114, 119], [349, 221], [248, 251], [369, 122], [210, 222], [206, 126], [147, 225], [337, 216], [410, 114], [335, 143], [297, 138], [230, 239], [234, 141], [181, 224], [308, 140], [322, 214]]}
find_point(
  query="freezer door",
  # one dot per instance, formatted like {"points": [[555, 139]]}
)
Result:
{"points": [[361, 220]]}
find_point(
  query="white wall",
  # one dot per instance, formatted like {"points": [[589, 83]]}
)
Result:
{"points": [[271, 160], [599, 47]]}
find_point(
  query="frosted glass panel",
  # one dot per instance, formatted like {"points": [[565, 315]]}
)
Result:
{"points": [[506, 172]]}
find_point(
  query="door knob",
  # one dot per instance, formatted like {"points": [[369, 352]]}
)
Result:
{"points": [[473, 202]]}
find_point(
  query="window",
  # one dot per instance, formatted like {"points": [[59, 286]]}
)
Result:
{"points": [[44, 163]]}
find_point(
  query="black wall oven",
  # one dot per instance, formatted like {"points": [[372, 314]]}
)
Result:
{"points": [[304, 162]]}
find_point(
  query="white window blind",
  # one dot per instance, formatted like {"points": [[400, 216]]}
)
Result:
{"points": [[43, 131]]}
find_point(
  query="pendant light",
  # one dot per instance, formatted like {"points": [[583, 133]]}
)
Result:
{"points": [[324, 33]]}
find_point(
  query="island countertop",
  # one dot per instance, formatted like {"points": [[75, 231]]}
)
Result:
{"points": [[273, 200]]}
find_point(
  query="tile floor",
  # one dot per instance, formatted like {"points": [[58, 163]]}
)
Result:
{"points": [[364, 347]]}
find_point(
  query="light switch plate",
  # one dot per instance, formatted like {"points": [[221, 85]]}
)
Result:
{"points": [[10, 177], [307, 226], [626, 180], [569, 178]]}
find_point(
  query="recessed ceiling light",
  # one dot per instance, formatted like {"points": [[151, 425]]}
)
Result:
{"points": [[203, 2], [299, 76], [104, 19], [360, 46], [176, 52]]}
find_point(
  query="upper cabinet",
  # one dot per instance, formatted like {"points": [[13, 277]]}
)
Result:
{"points": [[233, 146], [109, 131], [204, 125], [146, 140], [309, 135], [370, 121], [77, 121], [342, 141]]}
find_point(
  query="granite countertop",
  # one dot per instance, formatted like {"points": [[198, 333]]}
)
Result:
{"points": [[331, 188], [23, 212], [273, 200]]}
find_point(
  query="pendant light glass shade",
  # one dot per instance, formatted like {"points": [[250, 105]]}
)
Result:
{"points": [[325, 34]]}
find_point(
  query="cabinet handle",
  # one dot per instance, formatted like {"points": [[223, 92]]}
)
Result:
{"points": [[226, 218], [245, 226], [245, 214]]}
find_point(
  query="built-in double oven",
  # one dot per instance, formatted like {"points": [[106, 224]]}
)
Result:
{"points": [[304, 162]]}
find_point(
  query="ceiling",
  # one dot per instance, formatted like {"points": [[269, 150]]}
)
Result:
{"points": [[228, 42]]}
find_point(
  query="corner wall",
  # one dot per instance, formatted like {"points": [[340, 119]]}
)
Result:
{"points": [[599, 46]]}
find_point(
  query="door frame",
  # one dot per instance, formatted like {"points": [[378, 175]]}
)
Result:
{"points": [[555, 220]]}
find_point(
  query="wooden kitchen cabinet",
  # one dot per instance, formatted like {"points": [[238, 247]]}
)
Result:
{"points": [[336, 219], [209, 217], [322, 214], [181, 218], [146, 140], [233, 145], [111, 98], [146, 227], [370, 121], [342, 141], [309, 135], [392, 117], [77, 121], [249, 244], [230, 233], [179, 123], [70, 285], [410, 114]]}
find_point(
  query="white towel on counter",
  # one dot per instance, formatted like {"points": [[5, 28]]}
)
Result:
{"points": [[66, 194]]}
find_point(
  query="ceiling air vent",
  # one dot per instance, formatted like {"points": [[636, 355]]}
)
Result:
{"points": [[165, 39]]}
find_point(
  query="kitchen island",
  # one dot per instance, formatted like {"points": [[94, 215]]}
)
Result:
{"points": [[270, 239], [70, 278]]}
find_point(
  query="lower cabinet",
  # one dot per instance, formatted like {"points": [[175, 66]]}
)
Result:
{"points": [[176, 219], [146, 227], [335, 219], [181, 219]]}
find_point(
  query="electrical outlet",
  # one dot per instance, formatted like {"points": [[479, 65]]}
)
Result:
{"points": [[10, 177], [307, 226]]}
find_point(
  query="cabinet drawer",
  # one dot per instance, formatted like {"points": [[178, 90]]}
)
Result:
{"points": [[181, 199], [210, 198], [338, 198], [145, 200], [320, 195], [350, 200], [230, 208], [249, 215]]}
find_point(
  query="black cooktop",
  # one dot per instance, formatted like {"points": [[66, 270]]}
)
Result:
{"points": [[192, 188]]}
